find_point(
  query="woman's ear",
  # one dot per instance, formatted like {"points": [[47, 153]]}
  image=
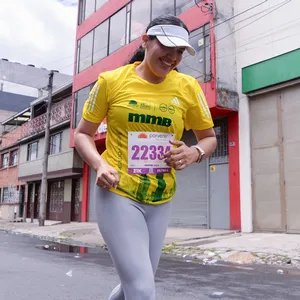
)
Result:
{"points": [[145, 39]]}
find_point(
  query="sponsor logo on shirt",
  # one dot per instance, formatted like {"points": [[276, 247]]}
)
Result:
{"points": [[149, 119]]}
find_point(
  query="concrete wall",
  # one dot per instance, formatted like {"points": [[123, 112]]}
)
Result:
{"points": [[19, 89], [3, 116], [273, 34], [35, 77], [225, 54], [63, 160]]}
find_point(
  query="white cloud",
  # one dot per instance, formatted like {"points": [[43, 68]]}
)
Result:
{"points": [[39, 32]]}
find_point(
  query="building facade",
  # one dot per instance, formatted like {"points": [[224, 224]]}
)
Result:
{"points": [[268, 69], [12, 190], [108, 33], [64, 164]]}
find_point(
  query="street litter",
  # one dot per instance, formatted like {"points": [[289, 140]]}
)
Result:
{"points": [[46, 247], [209, 261], [218, 294], [280, 272], [188, 261], [212, 262], [70, 273], [211, 254], [77, 256]]}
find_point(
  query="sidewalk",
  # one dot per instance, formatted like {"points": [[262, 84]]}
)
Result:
{"points": [[205, 245]]}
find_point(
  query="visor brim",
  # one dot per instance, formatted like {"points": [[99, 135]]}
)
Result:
{"points": [[171, 41]]}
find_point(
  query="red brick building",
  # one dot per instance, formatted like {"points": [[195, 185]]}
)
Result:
{"points": [[11, 189]]}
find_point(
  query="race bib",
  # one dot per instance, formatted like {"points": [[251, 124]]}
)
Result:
{"points": [[146, 152]]}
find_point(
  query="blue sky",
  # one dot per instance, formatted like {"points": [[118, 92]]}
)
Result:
{"points": [[39, 32]]}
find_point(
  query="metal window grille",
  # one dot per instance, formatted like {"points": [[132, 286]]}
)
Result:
{"points": [[221, 154]]}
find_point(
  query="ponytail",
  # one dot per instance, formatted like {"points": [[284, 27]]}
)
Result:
{"points": [[138, 55]]}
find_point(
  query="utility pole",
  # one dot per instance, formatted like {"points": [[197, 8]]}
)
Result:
{"points": [[42, 213]]}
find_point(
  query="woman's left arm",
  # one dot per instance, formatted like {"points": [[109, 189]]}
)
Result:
{"points": [[182, 155]]}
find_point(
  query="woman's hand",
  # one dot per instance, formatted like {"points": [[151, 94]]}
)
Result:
{"points": [[107, 177], [181, 157]]}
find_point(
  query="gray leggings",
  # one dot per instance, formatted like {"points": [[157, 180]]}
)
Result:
{"points": [[134, 234]]}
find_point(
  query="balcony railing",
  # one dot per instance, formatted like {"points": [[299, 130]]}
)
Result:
{"points": [[60, 112]]}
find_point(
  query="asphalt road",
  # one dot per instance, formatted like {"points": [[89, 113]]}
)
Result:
{"points": [[28, 272]]}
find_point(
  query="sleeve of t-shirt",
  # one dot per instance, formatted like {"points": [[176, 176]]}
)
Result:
{"points": [[198, 115], [96, 106]]}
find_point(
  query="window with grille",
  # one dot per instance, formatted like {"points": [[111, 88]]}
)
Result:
{"points": [[55, 143], [221, 153]]}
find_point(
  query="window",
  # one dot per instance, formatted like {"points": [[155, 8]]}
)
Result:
{"points": [[100, 41], [199, 65], [85, 51], [183, 5], [80, 98], [126, 25], [162, 7], [5, 196], [55, 143], [32, 151], [100, 3], [140, 18], [10, 195], [117, 31], [14, 158], [4, 160], [88, 7]]}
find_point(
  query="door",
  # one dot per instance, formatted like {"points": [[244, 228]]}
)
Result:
{"points": [[29, 200], [55, 204], [275, 148], [219, 207], [190, 203], [219, 199], [75, 202], [37, 199], [290, 102], [22, 200]]}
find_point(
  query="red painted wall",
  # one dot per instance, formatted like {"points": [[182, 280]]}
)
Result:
{"points": [[234, 171]]}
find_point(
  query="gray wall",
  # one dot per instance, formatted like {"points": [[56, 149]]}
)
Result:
{"points": [[66, 159], [3, 116], [35, 77], [225, 53]]}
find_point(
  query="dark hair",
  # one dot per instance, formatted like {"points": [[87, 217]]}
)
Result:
{"points": [[162, 20]]}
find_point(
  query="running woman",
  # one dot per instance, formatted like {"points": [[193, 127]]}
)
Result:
{"points": [[147, 105]]}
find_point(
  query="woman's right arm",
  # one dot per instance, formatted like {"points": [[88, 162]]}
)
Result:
{"points": [[107, 176]]}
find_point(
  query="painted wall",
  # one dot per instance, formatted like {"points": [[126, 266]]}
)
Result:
{"points": [[60, 161], [226, 76], [256, 40]]}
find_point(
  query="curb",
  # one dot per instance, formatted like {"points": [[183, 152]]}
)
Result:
{"points": [[59, 240]]}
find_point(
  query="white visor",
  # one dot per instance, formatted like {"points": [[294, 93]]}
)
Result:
{"points": [[172, 36]]}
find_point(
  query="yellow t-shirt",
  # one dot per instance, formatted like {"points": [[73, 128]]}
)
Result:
{"points": [[136, 109]]}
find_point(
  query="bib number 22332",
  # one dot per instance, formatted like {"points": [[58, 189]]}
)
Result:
{"points": [[146, 152]]}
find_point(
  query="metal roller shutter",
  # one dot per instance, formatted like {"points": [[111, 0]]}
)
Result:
{"points": [[190, 206]]}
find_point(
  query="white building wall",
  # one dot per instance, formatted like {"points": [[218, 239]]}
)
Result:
{"points": [[268, 30]]}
